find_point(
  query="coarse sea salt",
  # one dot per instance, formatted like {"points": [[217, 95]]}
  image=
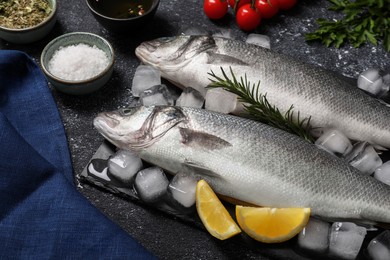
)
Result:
{"points": [[78, 62]]}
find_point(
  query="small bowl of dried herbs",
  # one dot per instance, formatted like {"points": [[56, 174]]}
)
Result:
{"points": [[26, 21]]}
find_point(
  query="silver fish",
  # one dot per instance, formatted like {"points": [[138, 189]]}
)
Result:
{"points": [[248, 161], [321, 94]]}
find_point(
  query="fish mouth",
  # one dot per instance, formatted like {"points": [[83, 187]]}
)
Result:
{"points": [[105, 119], [105, 124], [145, 51], [149, 53]]}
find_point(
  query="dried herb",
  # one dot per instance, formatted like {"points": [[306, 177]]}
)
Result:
{"points": [[19, 14], [258, 107], [363, 21]]}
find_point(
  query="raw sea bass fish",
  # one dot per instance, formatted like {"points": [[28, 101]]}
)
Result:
{"points": [[247, 161], [315, 92]]}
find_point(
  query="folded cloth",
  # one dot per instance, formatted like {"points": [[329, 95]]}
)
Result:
{"points": [[42, 215]]}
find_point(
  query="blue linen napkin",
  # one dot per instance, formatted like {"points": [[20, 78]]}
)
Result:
{"points": [[42, 215]]}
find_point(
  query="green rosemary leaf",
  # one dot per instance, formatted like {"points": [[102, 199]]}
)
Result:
{"points": [[258, 107]]}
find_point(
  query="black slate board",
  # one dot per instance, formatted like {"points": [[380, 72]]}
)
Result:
{"points": [[164, 235]]}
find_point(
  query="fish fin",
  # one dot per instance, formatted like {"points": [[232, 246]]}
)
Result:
{"points": [[200, 139], [222, 59], [198, 169]]}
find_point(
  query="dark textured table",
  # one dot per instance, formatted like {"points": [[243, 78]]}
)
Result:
{"points": [[165, 236]]}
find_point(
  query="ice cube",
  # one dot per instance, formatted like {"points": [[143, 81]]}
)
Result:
{"points": [[145, 77], [151, 184], [314, 237], [135, 102], [382, 173], [220, 100], [368, 77], [379, 88], [345, 240], [379, 247], [364, 157], [371, 81], [259, 40], [157, 95], [386, 79], [98, 168], [123, 166], [386, 86], [192, 30], [224, 33], [183, 187], [334, 141], [190, 97]]}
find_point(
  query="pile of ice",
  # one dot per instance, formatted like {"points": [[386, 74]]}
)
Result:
{"points": [[360, 155], [342, 240], [124, 169]]}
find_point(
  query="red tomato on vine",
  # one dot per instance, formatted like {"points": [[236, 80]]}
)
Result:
{"points": [[267, 8], [240, 3], [248, 18], [215, 9]]}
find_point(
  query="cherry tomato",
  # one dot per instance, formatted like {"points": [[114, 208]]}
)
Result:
{"points": [[286, 4], [267, 8], [248, 18], [239, 3], [215, 9]]}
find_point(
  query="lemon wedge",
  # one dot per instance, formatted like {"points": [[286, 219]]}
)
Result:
{"points": [[272, 225], [213, 214]]}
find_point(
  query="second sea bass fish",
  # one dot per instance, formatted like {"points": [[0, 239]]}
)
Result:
{"points": [[248, 161], [315, 92]]}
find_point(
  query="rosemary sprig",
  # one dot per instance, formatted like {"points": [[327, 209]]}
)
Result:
{"points": [[258, 107]]}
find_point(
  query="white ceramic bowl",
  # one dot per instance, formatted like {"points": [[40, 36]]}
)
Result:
{"points": [[81, 87]]}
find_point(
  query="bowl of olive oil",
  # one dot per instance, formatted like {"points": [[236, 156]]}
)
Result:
{"points": [[123, 15]]}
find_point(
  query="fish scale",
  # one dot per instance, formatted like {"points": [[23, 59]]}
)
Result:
{"points": [[248, 161], [324, 96]]}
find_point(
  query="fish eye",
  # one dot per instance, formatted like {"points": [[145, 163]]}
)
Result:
{"points": [[166, 39], [127, 111]]}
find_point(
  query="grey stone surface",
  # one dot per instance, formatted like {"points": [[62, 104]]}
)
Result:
{"points": [[165, 236]]}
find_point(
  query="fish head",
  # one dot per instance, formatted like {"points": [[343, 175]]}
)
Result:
{"points": [[139, 127], [170, 53]]}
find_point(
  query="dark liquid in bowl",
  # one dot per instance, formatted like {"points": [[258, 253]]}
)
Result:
{"points": [[122, 9]]}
